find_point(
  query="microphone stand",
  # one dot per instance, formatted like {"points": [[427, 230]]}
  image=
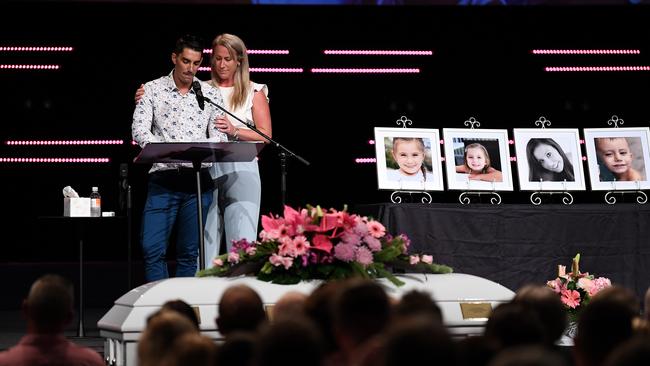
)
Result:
{"points": [[283, 154]]}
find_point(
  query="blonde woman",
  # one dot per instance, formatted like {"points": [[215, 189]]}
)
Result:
{"points": [[236, 204]]}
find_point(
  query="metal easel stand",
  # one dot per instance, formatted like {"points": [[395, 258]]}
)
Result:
{"points": [[536, 200], [396, 197], [465, 197], [641, 197]]}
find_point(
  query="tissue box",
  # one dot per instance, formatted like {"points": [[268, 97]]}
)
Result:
{"points": [[76, 207]]}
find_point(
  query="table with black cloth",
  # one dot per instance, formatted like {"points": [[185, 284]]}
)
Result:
{"points": [[515, 245]]}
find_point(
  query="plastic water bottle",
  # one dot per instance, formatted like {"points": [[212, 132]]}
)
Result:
{"points": [[95, 203]]}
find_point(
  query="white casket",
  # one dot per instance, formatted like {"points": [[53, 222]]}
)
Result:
{"points": [[465, 301]]}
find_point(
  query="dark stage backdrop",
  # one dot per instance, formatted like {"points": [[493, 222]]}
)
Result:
{"points": [[481, 66]]}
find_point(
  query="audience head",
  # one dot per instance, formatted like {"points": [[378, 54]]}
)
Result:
{"points": [[548, 307], [290, 305], [48, 306], [476, 350], [646, 305], [419, 339], [191, 349], [182, 308], [634, 352], [238, 349], [289, 342], [417, 303], [528, 356], [318, 307], [604, 324], [240, 309], [513, 324], [162, 331], [361, 310]]}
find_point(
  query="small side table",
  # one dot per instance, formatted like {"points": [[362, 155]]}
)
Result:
{"points": [[80, 225]]}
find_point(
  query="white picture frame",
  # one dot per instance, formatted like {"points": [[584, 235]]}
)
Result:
{"points": [[549, 159], [495, 176], [390, 176], [609, 167]]}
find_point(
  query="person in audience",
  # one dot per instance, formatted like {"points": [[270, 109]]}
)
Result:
{"points": [[238, 349], [646, 305], [477, 164], [615, 155], [289, 305], [415, 303], [191, 349], [361, 311], [240, 309], [418, 340], [513, 324], [48, 309], [409, 154], [182, 308], [477, 350], [548, 307], [548, 162], [604, 324], [642, 323], [289, 342], [163, 329], [528, 356], [318, 307], [634, 352]]}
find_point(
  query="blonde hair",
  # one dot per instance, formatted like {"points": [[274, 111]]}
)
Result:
{"points": [[237, 50], [487, 156]]}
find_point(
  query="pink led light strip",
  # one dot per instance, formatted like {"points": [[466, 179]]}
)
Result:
{"points": [[365, 160], [585, 52], [63, 142], [365, 71], [595, 68], [55, 160], [30, 67], [35, 49], [258, 52], [267, 69], [378, 52]]}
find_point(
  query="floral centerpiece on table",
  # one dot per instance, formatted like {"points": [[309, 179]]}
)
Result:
{"points": [[575, 288], [312, 243]]}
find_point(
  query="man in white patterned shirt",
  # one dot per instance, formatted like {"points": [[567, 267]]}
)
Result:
{"points": [[169, 112]]}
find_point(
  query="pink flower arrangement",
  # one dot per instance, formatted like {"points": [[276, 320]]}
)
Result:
{"points": [[575, 288], [312, 243]]}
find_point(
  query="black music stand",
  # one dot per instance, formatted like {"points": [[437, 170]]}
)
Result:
{"points": [[198, 153]]}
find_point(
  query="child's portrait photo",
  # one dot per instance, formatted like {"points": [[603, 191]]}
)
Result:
{"points": [[408, 159], [477, 159], [549, 159], [618, 158]]}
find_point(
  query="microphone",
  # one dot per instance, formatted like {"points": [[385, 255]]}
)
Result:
{"points": [[196, 86]]}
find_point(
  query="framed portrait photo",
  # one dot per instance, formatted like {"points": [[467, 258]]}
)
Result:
{"points": [[549, 159], [618, 158], [477, 159], [408, 159]]}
